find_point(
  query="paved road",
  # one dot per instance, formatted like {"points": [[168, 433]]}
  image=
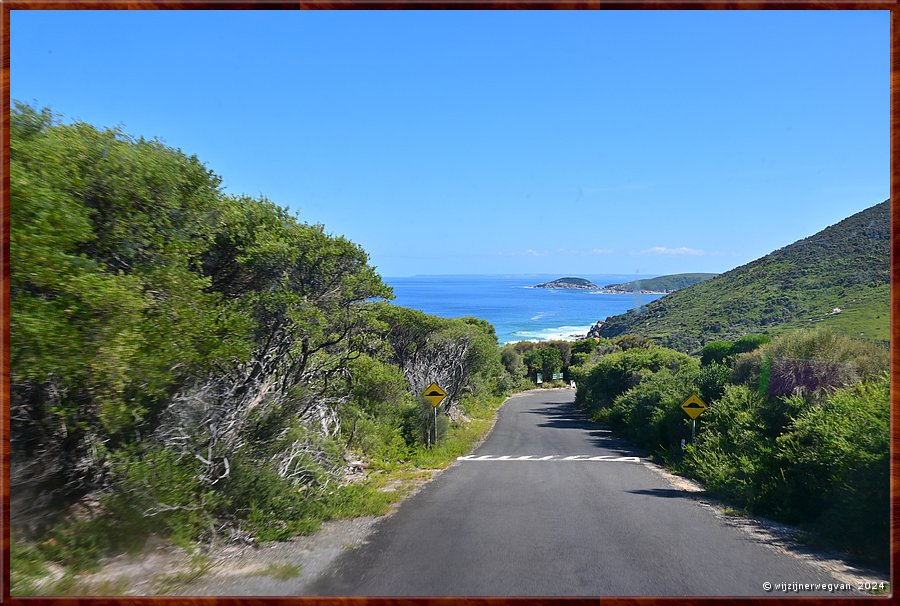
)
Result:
{"points": [[557, 526]]}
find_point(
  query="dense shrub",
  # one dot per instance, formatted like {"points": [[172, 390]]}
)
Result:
{"points": [[712, 380], [650, 413], [547, 360], [616, 373], [749, 343], [731, 453], [835, 463], [809, 362], [716, 352], [584, 346], [632, 342], [512, 361], [206, 363]]}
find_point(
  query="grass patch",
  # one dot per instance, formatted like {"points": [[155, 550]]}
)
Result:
{"points": [[27, 569], [71, 585], [461, 438], [459, 441], [282, 572], [357, 500], [198, 565]]}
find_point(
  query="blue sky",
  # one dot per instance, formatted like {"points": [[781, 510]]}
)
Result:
{"points": [[500, 142]]}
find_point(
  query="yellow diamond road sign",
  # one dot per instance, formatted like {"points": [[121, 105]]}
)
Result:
{"points": [[693, 406], [434, 394]]}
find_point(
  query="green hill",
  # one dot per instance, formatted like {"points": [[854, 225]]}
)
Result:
{"points": [[661, 283], [844, 267]]}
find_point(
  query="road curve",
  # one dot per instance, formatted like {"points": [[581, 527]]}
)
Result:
{"points": [[542, 523]]}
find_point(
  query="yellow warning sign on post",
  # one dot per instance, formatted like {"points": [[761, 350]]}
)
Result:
{"points": [[434, 394], [693, 406]]}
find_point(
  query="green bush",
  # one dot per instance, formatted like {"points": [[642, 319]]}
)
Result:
{"points": [[712, 380], [843, 360], [417, 424], [835, 463], [632, 342], [750, 343], [27, 566], [809, 362], [545, 360], [584, 346], [650, 413], [618, 372], [731, 454], [716, 352], [165, 489], [826, 467]]}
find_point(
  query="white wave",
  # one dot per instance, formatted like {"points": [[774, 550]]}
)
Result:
{"points": [[556, 333], [539, 315]]}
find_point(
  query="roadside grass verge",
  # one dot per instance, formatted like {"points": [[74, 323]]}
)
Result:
{"points": [[282, 572], [78, 549]]}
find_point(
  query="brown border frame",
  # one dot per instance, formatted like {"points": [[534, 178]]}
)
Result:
{"points": [[7, 5]]}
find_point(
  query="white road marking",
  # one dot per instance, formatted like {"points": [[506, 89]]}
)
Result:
{"points": [[601, 458]]}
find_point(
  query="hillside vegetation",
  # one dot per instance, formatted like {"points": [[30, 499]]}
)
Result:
{"points": [[661, 283], [843, 267]]}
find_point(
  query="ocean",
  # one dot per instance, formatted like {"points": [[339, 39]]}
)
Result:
{"points": [[518, 313]]}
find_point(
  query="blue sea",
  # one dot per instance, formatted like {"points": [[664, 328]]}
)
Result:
{"points": [[518, 312]]}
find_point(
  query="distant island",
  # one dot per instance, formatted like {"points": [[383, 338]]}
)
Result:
{"points": [[660, 285], [568, 283]]}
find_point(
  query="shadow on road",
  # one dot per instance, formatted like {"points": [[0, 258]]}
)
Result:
{"points": [[567, 416], [666, 493]]}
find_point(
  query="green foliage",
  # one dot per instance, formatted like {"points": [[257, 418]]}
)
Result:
{"points": [[749, 343], [835, 462], [825, 466], [618, 372], [811, 448], [142, 294], [546, 360], [512, 361], [845, 267], [584, 346], [632, 342], [27, 567], [650, 413], [731, 453], [716, 352], [712, 381], [810, 362], [107, 234], [162, 487]]}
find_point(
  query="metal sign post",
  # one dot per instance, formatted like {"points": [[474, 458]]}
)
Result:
{"points": [[693, 407], [435, 394]]}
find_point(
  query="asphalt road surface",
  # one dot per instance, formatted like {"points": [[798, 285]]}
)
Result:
{"points": [[542, 523]]}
